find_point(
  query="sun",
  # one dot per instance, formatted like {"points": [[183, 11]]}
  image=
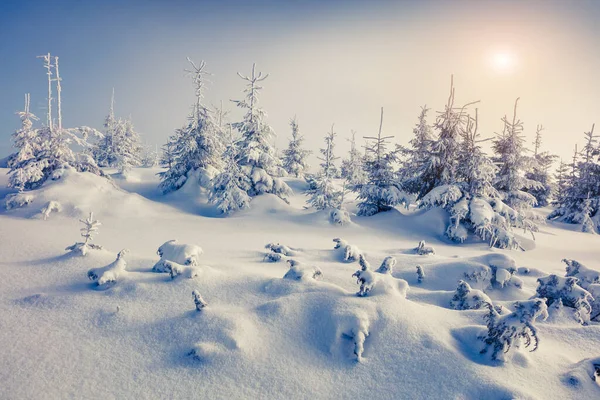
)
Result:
{"points": [[503, 61]]}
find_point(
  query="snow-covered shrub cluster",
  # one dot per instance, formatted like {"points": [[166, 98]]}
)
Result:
{"points": [[339, 216], [299, 271], [578, 196], [554, 288], [514, 329], [495, 271], [467, 298], [178, 253], [109, 274], [277, 252], [351, 252], [50, 207], [42, 153], [585, 275], [88, 231], [424, 250]]}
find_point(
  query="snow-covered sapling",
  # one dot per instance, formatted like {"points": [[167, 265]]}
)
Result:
{"points": [[51, 206], [299, 271], [198, 300], [467, 298], [184, 254], [87, 232], [585, 275], [110, 273], [423, 250], [553, 288], [387, 265], [351, 252], [281, 249], [504, 331], [420, 274], [364, 277]]}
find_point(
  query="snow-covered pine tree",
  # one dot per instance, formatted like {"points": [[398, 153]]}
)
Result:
{"points": [[104, 150], [197, 145], [127, 147], [562, 183], [540, 172], [325, 195], [581, 201], [418, 154], [230, 188], [513, 164], [255, 153], [149, 157], [294, 157], [89, 230], [381, 192], [587, 225], [24, 166], [353, 167]]}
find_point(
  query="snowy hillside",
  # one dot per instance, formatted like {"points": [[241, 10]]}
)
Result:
{"points": [[269, 331]]}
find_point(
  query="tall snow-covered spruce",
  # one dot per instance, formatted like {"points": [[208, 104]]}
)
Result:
{"points": [[24, 166], [197, 147], [381, 192], [253, 154], [294, 157]]}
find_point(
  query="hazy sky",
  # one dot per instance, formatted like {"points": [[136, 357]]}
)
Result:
{"points": [[329, 62]]}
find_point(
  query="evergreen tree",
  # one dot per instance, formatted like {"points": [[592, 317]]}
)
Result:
{"points": [[540, 172], [324, 194], [562, 182], [381, 192], [353, 167], [418, 154], [197, 145], [511, 181], [294, 157], [255, 153], [128, 148]]}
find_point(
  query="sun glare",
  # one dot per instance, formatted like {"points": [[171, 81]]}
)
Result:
{"points": [[503, 62]]}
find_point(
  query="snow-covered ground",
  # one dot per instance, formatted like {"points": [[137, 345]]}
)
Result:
{"points": [[263, 336]]}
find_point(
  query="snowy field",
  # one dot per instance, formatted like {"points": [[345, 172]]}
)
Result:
{"points": [[262, 336]]}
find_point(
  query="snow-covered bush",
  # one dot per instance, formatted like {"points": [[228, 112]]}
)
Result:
{"points": [[281, 249], [339, 216], [495, 271], [110, 273], [387, 265], [585, 275], [174, 269], [513, 329], [420, 274], [351, 252], [198, 300], [50, 207], [467, 298], [273, 257], [18, 200], [88, 231], [299, 271], [354, 327], [424, 250], [364, 277], [180, 253], [553, 288]]}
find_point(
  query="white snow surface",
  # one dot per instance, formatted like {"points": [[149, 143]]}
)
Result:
{"points": [[262, 336]]}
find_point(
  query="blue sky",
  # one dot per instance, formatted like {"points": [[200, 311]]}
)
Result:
{"points": [[330, 62]]}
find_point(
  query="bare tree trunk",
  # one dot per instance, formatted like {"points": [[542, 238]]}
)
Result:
{"points": [[58, 90]]}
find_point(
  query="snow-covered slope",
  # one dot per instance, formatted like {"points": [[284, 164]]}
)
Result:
{"points": [[263, 336]]}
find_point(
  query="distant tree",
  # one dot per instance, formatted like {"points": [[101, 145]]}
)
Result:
{"points": [[417, 155], [325, 195], [353, 167], [294, 157], [540, 172], [197, 145]]}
